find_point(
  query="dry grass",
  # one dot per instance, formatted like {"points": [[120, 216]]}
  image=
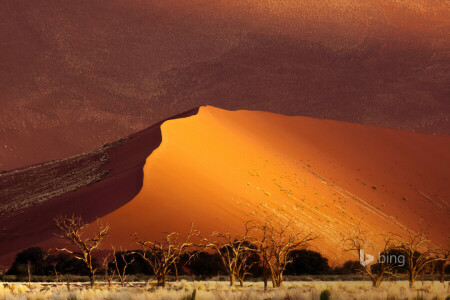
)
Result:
{"points": [[221, 290]]}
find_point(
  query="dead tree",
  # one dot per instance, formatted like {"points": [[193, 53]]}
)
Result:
{"points": [[68, 281], [444, 255], [265, 253], [121, 270], [72, 230], [56, 274], [357, 242], [48, 257], [234, 251], [109, 273], [162, 255], [275, 244], [245, 263], [55, 271], [29, 273], [419, 252]]}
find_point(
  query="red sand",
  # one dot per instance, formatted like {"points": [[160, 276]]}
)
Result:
{"points": [[75, 75], [220, 168]]}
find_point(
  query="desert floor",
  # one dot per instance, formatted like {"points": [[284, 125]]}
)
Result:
{"points": [[222, 290]]}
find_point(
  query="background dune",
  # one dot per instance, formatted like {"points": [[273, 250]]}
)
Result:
{"points": [[75, 75]]}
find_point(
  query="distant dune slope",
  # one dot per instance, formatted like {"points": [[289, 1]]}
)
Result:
{"points": [[75, 75]]}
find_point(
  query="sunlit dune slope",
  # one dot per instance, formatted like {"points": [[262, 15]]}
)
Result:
{"points": [[221, 168]]}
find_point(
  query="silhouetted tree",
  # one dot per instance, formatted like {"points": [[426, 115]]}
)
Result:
{"points": [[34, 260], [203, 263], [67, 264], [307, 262], [349, 267]]}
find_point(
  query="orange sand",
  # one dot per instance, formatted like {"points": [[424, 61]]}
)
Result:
{"points": [[220, 168]]}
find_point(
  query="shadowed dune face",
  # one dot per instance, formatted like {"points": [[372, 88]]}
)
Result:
{"points": [[91, 185], [220, 168], [77, 74]]}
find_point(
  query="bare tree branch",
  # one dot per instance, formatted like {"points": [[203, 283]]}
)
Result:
{"points": [[275, 243], [72, 230], [419, 252], [234, 251], [162, 255], [356, 241]]}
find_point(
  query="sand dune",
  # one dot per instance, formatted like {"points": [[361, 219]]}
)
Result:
{"points": [[219, 168], [75, 75]]}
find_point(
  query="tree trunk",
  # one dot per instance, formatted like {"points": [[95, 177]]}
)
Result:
{"points": [[412, 279], [376, 282], [277, 279], [272, 274], [265, 274], [92, 278], [29, 274], [274, 281], [176, 272], [56, 274], [241, 281], [68, 282], [231, 279], [160, 279], [108, 277]]}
